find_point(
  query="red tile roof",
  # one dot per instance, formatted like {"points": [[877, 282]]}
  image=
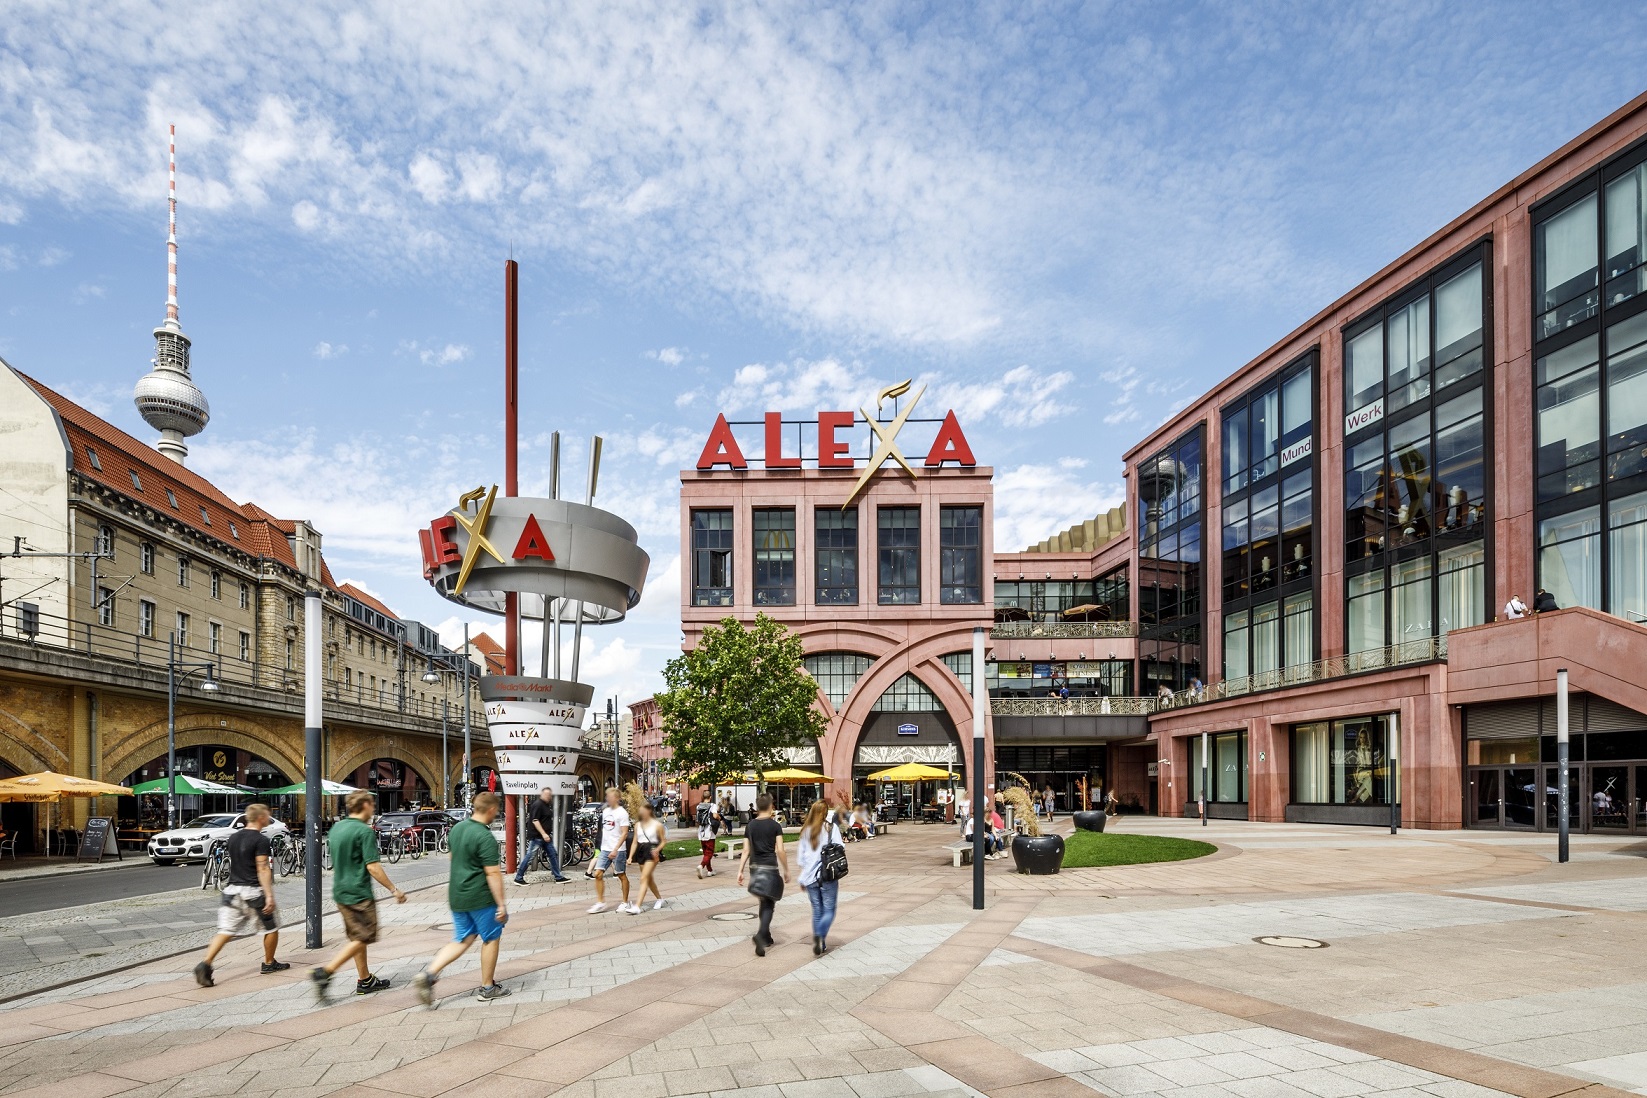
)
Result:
{"points": [[490, 650], [361, 596]]}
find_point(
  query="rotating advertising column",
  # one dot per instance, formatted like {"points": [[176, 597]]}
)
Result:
{"points": [[534, 725]]}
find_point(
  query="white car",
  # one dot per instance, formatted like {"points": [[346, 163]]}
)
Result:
{"points": [[191, 842]]}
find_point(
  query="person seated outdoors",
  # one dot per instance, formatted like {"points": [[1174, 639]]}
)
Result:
{"points": [[860, 827], [992, 837]]}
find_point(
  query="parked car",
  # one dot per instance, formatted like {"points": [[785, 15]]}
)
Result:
{"points": [[192, 841], [392, 822]]}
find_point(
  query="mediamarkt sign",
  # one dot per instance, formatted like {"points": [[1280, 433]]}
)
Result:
{"points": [[834, 451]]}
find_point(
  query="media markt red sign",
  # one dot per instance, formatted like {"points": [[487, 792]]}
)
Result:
{"points": [[831, 442]]}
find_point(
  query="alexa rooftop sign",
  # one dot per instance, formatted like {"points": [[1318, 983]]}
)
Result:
{"points": [[833, 440]]}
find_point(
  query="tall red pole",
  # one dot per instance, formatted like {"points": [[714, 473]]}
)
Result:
{"points": [[511, 487]]}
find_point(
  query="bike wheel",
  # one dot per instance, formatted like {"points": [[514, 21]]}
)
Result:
{"points": [[569, 854], [325, 855], [442, 846], [415, 847], [396, 849]]}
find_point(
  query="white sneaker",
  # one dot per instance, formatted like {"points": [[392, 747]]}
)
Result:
{"points": [[700, 872], [629, 909], [596, 909], [658, 906]]}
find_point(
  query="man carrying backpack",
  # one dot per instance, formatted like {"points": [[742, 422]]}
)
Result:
{"points": [[709, 823]]}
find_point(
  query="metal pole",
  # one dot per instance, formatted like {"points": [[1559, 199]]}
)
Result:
{"points": [[171, 733], [511, 488], [612, 717], [1393, 750], [468, 759], [312, 722], [1562, 747], [980, 808], [1206, 766], [445, 761]]}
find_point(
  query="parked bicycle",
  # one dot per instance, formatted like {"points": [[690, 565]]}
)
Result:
{"points": [[215, 874], [578, 843]]}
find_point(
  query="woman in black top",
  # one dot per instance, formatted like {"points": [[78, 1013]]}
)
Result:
{"points": [[764, 858]]}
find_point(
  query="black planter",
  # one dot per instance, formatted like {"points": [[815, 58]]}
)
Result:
{"points": [[1039, 855], [1090, 821]]}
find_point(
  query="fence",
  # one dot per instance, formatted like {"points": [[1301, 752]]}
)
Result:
{"points": [[1424, 650], [1072, 707], [1063, 630]]}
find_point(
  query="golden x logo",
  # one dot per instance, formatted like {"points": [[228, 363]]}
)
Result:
{"points": [[886, 435], [476, 529]]}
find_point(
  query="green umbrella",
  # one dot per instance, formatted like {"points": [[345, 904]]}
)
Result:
{"points": [[187, 785], [327, 789]]}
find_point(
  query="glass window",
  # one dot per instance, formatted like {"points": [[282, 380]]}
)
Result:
{"points": [[1365, 622], [182, 630], [1627, 398], [1236, 458], [1410, 479], [1297, 407], [1565, 267], [1169, 572], [774, 532], [1627, 572], [1297, 524], [1342, 762], [214, 641], [899, 555], [182, 571], [1569, 557], [145, 618], [145, 558], [1458, 327], [1298, 630], [1365, 356], [1364, 495], [1626, 235], [907, 695], [1463, 572], [246, 598], [1226, 780], [712, 558], [105, 606], [1236, 665], [835, 532], [1265, 531], [961, 664], [1237, 539], [1461, 475], [1266, 432], [1409, 343], [960, 547], [837, 673], [1569, 421], [1266, 637], [245, 646], [1411, 596], [105, 540], [217, 585]]}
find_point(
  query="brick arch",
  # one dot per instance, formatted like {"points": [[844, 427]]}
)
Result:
{"points": [[28, 744], [428, 769], [198, 730]]}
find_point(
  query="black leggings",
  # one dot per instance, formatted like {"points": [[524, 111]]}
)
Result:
{"points": [[765, 931]]}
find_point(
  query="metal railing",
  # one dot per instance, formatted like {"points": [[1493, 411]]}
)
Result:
{"points": [[1062, 630], [1423, 650], [1072, 707], [133, 649]]}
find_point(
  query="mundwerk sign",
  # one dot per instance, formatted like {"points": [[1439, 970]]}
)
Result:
{"points": [[834, 444]]}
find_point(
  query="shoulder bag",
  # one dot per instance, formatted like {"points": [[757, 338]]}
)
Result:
{"points": [[832, 858], [765, 882]]}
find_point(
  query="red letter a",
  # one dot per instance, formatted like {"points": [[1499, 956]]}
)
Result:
{"points": [[532, 543], [950, 445], [722, 448]]}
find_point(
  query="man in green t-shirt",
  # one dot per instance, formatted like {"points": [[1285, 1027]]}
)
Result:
{"points": [[355, 865], [474, 892]]}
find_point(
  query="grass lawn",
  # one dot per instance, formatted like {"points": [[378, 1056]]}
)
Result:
{"points": [[1095, 848], [691, 848]]}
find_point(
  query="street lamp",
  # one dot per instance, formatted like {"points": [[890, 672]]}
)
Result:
{"points": [[432, 676], [173, 679]]}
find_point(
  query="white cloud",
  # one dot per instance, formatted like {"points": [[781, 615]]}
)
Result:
{"points": [[669, 356], [325, 350], [801, 386], [1021, 397], [1035, 501], [687, 399], [88, 292], [52, 255], [435, 356]]}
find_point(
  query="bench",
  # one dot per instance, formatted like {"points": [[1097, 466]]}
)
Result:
{"points": [[734, 847], [881, 827], [961, 852]]}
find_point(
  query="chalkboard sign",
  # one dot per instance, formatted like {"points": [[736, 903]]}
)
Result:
{"points": [[97, 839]]}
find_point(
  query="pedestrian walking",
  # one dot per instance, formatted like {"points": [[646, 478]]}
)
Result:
{"points": [[766, 864], [1544, 602], [614, 851], [646, 851], [1049, 800], [1515, 608], [355, 865], [248, 896], [817, 832], [709, 826], [474, 892], [543, 838]]}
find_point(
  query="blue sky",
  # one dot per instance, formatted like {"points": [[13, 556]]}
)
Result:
{"points": [[1067, 218]]}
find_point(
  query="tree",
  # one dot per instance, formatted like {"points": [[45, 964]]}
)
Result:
{"points": [[737, 701]]}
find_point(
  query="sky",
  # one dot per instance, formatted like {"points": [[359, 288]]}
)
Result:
{"points": [[1066, 219]]}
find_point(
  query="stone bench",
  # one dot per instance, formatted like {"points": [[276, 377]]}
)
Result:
{"points": [[960, 852], [734, 847]]}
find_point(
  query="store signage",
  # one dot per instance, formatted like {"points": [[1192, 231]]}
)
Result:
{"points": [[1364, 417], [909, 730], [1298, 451], [534, 724], [833, 451]]}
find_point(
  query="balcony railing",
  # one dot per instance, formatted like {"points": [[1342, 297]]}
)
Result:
{"points": [[1425, 650], [1072, 707], [132, 649], [1062, 630]]}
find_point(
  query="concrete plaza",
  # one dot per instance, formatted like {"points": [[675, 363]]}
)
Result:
{"points": [[1456, 964]]}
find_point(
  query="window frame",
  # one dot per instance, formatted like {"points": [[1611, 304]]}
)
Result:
{"points": [[831, 556], [897, 557], [705, 557], [951, 556], [769, 558]]}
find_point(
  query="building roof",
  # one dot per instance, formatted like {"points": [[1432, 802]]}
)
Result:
{"points": [[491, 651], [362, 597], [1085, 536]]}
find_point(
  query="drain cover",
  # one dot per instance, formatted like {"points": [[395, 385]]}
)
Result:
{"points": [[733, 916], [1285, 941]]}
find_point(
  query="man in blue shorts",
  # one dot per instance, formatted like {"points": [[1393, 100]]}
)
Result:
{"points": [[474, 891]]}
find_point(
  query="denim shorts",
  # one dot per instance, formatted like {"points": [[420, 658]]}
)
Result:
{"points": [[613, 860], [482, 922]]}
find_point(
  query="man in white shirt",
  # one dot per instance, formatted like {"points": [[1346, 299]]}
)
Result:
{"points": [[614, 847], [1515, 608]]}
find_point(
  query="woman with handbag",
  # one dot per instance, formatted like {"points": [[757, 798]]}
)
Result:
{"points": [[766, 863], [821, 858]]}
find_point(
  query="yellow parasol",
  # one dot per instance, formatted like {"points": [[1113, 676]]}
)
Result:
{"points": [[793, 776], [51, 786], [910, 772]]}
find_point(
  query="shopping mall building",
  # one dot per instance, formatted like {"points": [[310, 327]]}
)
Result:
{"points": [[1314, 557]]}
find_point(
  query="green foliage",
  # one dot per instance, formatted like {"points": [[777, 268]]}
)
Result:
{"points": [[737, 701], [1098, 848]]}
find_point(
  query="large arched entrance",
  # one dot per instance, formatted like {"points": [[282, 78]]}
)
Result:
{"points": [[397, 784], [214, 762], [17, 818], [908, 724]]}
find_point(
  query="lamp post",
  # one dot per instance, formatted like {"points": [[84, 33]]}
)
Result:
{"points": [[173, 681], [432, 676]]}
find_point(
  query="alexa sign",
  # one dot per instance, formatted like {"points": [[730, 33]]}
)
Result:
{"points": [[834, 445]]}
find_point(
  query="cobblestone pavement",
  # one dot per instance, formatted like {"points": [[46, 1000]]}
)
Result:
{"points": [[1454, 966]]}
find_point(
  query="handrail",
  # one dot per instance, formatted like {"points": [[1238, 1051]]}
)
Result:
{"points": [[1072, 707], [1062, 630], [1423, 650]]}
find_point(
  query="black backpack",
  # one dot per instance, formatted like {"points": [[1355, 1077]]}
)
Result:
{"points": [[703, 814]]}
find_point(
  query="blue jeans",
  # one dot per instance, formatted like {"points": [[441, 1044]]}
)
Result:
{"points": [[532, 852], [822, 895]]}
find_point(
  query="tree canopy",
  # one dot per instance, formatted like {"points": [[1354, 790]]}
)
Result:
{"points": [[737, 701]]}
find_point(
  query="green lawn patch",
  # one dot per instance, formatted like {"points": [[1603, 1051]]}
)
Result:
{"points": [[1085, 849], [691, 848]]}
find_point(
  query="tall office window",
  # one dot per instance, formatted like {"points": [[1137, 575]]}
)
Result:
{"points": [[1415, 466], [214, 638], [246, 647], [774, 532], [145, 557], [960, 547], [145, 618], [835, 535], [1590, 321], [899, 555], [1169, 564], [712, 558], [837, 673], [1269, 524]]}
